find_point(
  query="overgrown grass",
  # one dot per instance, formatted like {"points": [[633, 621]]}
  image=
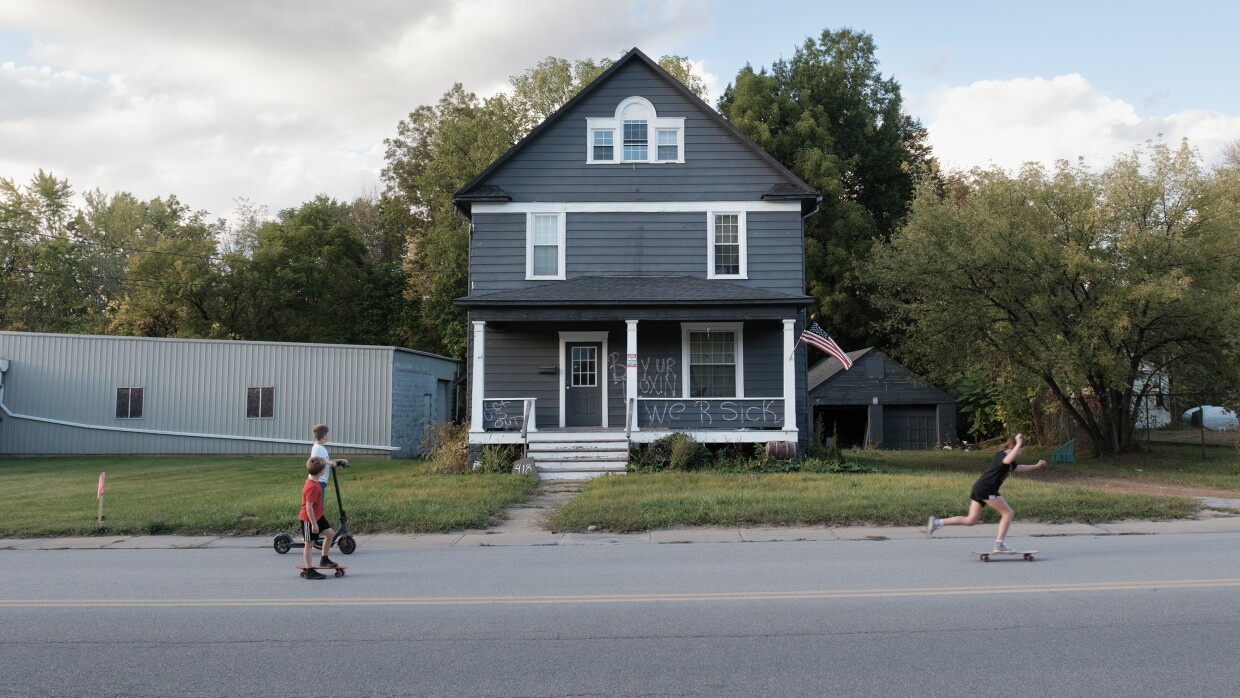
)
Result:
{"points": [[1163, 464], [239, 495], [643, 502], [911, 486]]}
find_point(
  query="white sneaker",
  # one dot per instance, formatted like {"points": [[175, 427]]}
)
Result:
{"points": [[933, 525], [1001, 548]]}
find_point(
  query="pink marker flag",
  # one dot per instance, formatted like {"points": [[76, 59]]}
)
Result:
{"points": [[100, 495]]}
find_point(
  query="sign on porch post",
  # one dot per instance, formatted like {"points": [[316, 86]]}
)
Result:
{"points": [[99, 496]]}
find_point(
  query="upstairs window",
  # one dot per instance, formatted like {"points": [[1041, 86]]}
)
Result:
{"points": [[260, 403], [129, 403], [604, 149], [544, 248], [726, 252], [635, 141], [635, 124], [669, 145]]}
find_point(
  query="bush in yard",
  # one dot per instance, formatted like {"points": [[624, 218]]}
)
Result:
{"points": [[676, 451], [444, 445], [499, 459]]}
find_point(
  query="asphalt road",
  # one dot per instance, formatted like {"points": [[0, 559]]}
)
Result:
{"points": [[1153, 615]]}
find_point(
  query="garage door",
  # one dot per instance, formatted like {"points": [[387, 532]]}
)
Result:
{"points": [[909, 428]]}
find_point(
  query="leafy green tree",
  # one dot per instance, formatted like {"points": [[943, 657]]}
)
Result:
{"points": [[47, 278], [173, 279], [1079, 279], [832, 118], [312, 278], [437, 150]]}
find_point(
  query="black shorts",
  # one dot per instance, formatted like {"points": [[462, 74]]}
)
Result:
{"points": [[323, 523], [982, 496]]}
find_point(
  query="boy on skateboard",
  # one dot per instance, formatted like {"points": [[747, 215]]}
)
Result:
{"points": [[986, 493], [312, 520]]}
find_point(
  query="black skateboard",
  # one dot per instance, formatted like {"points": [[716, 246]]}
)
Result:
{"points": [[985, 555], [303, 568]]}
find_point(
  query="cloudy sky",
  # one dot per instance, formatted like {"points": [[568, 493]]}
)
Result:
{"points": [[279, 100]]}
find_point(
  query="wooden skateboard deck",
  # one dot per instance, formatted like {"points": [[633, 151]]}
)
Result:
{"points": [[303, 568], [985, 554]]}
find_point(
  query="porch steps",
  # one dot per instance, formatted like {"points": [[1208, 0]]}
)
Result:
{"points": [[578, 455]]}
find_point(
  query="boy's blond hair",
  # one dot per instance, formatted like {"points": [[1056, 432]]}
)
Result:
{"points": [[319, 431], [315, 465]]}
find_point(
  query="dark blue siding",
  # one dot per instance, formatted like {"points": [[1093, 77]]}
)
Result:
{"points": [[637, 244], [552, 166]]}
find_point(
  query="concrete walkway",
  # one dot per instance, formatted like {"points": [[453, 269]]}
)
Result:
{"points": [[524, 526]]}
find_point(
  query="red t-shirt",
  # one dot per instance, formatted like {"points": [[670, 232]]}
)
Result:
{"points": [[311, 492]]}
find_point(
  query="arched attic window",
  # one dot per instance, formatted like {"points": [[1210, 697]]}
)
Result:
{"points": [[635, 134]]}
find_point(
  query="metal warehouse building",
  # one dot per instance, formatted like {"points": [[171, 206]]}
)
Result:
{"points": [[86, 394]]}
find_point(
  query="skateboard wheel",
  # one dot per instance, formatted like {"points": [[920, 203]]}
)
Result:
{"points": [[339, 573], [985, 558], [1029, 558], [302, 574]]}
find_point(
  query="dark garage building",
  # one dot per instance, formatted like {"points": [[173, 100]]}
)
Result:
{"points": [[879, 402]]}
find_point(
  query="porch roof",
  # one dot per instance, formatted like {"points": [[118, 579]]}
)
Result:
{"points": [[642, 291]]}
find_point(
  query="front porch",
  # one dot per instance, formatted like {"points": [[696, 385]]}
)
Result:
{"points": [[615, 361]]}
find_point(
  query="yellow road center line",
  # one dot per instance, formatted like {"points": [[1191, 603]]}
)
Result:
{"points": [[808, 595]]}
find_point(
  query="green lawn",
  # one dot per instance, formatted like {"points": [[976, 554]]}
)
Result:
{"points": [[239, 495], [260, 495], [1163, 464], [912, 486]]}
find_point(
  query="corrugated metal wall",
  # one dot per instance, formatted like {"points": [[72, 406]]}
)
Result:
{"points": [[196, 386]]}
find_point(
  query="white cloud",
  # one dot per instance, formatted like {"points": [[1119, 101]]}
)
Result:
{"points": [[1011, 122], [280, 100]]}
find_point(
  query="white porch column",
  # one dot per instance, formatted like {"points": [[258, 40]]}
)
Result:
{"points": [[630, 386], [476, 382], [790, 378]]}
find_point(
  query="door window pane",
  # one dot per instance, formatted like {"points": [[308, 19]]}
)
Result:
{"points": [[585, 367]]}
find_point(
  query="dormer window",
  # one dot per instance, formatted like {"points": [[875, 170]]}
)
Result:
{"points": [[635, 125]]}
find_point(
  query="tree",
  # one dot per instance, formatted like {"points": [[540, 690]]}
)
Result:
{"points": [[1081, 280], [437, 150], [47, 278], [831, 117], [173, 281]]}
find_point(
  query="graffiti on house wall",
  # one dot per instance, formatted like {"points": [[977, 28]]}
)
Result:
{"points": [[503, 415], [657, 378], [727, 414]]}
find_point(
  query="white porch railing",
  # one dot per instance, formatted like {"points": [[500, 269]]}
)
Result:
{"points": [[510, 414]]}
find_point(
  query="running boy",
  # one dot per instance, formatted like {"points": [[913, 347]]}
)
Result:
{"points": [[986, 492], [313, 522]]}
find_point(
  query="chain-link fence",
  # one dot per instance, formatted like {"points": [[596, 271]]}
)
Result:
{"points": [[1187, 419]]}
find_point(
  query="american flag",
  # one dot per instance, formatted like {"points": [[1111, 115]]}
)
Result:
{"points": [[817, 337]]}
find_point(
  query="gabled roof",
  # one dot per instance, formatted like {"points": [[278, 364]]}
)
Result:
{"points": [[795, 189], [634, 290], [829, 370], [824, 369]]}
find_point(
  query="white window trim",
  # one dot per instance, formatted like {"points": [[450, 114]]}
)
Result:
{"points": [[654, 124], [736, 327], [637, 207], [529, 246], [742, 238]]}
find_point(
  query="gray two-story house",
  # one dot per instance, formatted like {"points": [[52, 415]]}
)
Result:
{"points": [[636, 268]]}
